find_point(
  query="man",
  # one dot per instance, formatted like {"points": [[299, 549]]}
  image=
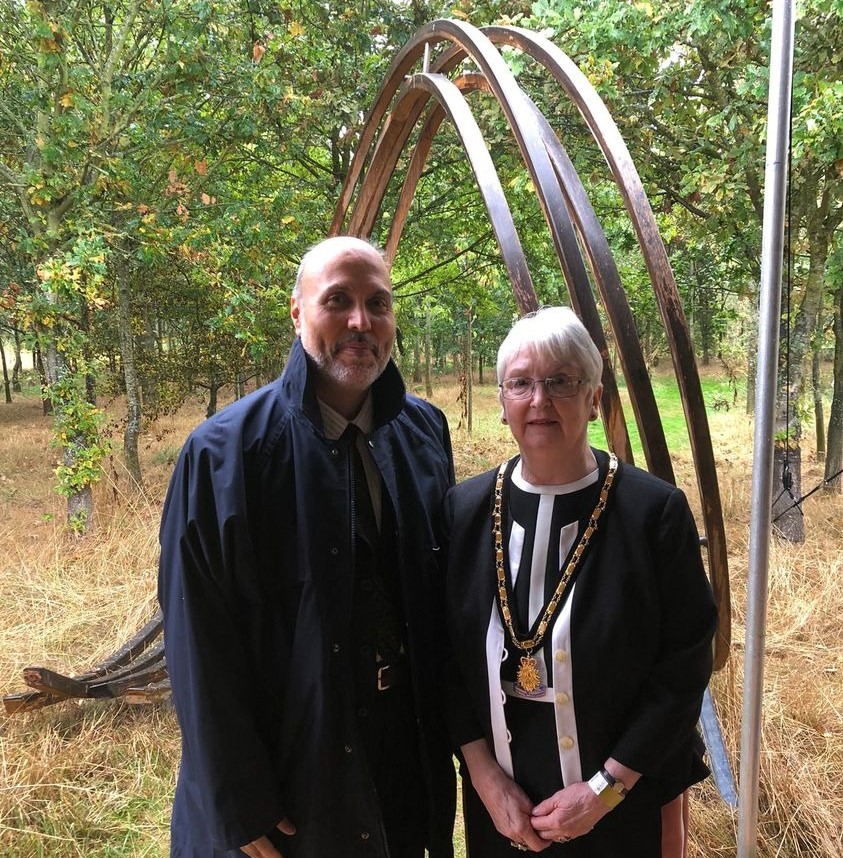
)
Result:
{"points": [[300, 596]]}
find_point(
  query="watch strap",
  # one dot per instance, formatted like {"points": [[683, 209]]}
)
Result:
{"points": [[607, 788], [614, 783]]}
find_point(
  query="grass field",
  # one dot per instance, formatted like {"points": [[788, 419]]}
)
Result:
{"points": [[95, 779]]}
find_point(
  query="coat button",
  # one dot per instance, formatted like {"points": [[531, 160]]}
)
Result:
{"points": [[335, 451], [560, 655], [364, 835], [566, 743], [347, 749], [335, 648], [562, 697], [334, 552]]}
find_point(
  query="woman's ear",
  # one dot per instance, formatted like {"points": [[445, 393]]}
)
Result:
{"points": [[596, 396]]}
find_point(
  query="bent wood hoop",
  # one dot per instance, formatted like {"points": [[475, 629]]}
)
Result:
{"points": [[578, 239]]}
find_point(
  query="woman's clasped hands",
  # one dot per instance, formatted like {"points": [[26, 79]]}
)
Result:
{"points": [[569, 813]]}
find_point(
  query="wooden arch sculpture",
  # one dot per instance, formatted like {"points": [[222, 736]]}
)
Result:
{"points": [[137, 670], [577, 236]]}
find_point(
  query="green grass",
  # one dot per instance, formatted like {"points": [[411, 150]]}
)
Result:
{"points": [[718, 394], [490, 442]]}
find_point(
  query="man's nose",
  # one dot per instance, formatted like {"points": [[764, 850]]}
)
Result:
{"points": [[358, 319]]}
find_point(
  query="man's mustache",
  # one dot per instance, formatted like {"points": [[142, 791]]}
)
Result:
{"points": [[358, 337]]}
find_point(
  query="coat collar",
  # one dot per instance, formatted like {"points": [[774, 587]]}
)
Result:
{"points": [[299, 383]]}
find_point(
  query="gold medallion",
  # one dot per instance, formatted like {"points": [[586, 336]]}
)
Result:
{"points": [[528, 674], [528, 680]]}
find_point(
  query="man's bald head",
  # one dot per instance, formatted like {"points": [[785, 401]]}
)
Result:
{"points": [[341, 307], [328, 248]]}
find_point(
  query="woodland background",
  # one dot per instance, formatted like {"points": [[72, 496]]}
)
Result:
{"points": [[164, 165]]}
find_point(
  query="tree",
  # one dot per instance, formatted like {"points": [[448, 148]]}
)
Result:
{"points": [[75, 78]]}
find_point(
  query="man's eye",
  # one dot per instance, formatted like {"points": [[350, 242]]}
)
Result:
{"points": [[518, 383], [560, 381]]}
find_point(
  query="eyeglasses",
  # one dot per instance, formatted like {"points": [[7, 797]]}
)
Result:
{"points": [[556, 387]]}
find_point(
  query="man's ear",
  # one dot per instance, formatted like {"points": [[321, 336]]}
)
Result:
{"points": [[295, 314]]}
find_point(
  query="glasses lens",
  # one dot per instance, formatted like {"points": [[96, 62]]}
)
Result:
{"points": [[517, 388], [562, 387]]}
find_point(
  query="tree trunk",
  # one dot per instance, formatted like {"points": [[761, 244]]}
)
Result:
{"points": [[817, 387], [18, 365], [834, 457], [46, 402], [80, 504], [130, 374], [792, 379], [417, 373], [211, 410], [428, 384], [467, 361], [787, 487], [7, 384], [80, 509]]}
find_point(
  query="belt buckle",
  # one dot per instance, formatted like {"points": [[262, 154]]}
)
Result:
{"points": [[384, 680]]}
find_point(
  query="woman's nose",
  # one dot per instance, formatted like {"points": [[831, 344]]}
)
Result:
{"points": [[539, 394]]}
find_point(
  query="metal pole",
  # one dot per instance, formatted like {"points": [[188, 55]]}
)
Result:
{"points": [[778, 138]]}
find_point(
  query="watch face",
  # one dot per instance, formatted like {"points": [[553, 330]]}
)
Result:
{"points": [[611, 794]]}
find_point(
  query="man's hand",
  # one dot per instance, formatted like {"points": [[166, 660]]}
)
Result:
{"points": [[263, 848]]}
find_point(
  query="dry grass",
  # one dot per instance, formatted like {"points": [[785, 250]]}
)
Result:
{"points": [[95, 779]]}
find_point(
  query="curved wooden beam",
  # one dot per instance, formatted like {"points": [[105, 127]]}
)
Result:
{"points": [[606, 277], [469, 41], [548, 172], [451, 102], [607, 136]]}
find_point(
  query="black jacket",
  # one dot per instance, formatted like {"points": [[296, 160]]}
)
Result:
{"points": [[642, 622], [255, 583]]}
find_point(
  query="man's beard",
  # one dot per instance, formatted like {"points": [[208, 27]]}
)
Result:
{"points": [[357, 376]]}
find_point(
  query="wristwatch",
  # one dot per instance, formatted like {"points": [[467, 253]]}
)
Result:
{"points": [[607, 788]]}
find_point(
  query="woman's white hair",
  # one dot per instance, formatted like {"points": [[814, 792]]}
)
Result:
{"points": [[556, 334]]}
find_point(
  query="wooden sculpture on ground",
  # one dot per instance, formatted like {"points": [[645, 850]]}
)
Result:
{"points": [[419, 89]]}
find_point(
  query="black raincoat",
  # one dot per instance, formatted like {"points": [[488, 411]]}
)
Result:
{"points": [[255, 583]]}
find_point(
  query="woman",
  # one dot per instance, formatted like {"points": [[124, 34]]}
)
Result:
{"points": [[580, 620]]}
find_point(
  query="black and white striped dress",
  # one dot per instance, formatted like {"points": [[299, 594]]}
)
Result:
{"points": [[542, 524]]}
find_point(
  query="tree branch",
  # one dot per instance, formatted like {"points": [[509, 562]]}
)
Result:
{"points": [[422, 274]]}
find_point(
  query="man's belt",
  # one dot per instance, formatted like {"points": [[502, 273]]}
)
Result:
{"points": [[388, 674]]}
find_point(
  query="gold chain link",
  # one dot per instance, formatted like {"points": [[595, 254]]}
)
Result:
{"points": [[550, 609]]}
